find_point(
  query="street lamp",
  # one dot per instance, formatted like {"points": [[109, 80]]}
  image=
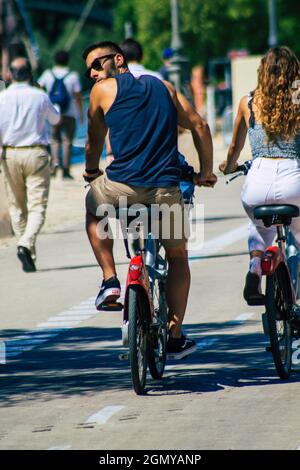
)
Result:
{"points": [[273, 39], [179, 63]]}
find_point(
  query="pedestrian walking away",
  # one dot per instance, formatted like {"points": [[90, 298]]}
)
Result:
{"points": [[270, 115], [133, 52], [24, 111], [142, 116], [167, 56], [64, 89]]}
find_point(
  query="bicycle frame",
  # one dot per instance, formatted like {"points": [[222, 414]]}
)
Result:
{"points": [[276, 255], [141, 273], [138, 276]]}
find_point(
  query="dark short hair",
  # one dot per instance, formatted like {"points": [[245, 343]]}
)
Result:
{"points": [[22, 73], [132, 50], [62, 58], [112, 46]]}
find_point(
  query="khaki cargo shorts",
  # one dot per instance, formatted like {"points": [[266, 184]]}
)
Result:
{"points": [[105, 191]]}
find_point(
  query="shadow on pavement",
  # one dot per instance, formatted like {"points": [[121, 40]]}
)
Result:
{"points": [[81, 266], [86, 361]]}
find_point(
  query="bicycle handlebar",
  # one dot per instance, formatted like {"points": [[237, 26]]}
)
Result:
{"points": [[241, 170]]}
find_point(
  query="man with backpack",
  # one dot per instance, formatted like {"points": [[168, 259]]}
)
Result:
{"points": [[64, 90]]}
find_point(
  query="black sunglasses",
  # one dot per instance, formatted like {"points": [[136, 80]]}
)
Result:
{"points": [[97, 65]]}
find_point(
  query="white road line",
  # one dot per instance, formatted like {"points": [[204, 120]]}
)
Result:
{"points": [[170, 367], [64, 326], [2, 352], [205, 343], [102, 416], [16, 345], [35, 335], [76, 313], [63, 447], [86, 309], [215, 245], [243, 317]]}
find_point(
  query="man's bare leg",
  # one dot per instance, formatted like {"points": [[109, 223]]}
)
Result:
{"points": [[103, 248], [178, 285]]}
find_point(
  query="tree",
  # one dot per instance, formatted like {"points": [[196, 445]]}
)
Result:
{"points": [[209, 28]]}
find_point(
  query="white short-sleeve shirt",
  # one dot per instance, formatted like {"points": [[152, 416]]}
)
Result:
{"points": [[138, 69], [24, 112], [72, 84]]}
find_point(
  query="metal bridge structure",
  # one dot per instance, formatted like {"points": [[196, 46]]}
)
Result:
{"points": [[100, 15]]}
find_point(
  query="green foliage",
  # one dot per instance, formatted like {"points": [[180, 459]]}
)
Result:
{"points": [[53, 31], [209, 28], [289, 24]]}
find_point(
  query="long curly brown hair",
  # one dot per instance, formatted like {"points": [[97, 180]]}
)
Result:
{"points": [[274, 97]]}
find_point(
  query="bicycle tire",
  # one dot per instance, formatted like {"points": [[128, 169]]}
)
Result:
{"points": [[278, 301], [294, 268], [158, 338], [137, 340]]}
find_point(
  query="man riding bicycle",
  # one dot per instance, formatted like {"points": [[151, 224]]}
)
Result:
{"points": [[141, 116]]}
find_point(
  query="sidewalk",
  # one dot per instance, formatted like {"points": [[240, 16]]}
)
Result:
{"points": [[66, 205]]}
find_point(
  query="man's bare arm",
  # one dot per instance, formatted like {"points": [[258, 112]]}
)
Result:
{"points": [[238, 139], [97, 130], [188, 118]]}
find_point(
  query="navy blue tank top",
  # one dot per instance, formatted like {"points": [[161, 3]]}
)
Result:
{"points": [[142, 124]]}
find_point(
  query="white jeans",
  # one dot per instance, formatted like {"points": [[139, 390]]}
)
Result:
{"points": [[270, 181]]}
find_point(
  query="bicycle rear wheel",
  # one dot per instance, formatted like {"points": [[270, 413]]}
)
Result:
{"points": [[158, 338], [137, 340], [278, 304]]}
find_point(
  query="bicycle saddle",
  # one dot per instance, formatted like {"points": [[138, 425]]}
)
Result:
{"points": [[272, 214]]}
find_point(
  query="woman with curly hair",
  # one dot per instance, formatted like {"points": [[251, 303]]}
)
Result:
{"points": [[270, 115]]}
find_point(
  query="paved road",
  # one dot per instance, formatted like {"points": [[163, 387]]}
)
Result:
{"points": [[64, 387]]}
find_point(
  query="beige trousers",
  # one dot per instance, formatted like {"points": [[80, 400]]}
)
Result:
{"points": [[105, 191], [27, 179]]}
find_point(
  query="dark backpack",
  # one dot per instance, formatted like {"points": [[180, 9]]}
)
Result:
{"points": [[59, 94]]}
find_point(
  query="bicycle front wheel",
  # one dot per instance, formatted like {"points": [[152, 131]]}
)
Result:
{"points": [[278, 304], [137, 339]]}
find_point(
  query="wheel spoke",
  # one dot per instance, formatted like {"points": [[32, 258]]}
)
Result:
{"points": [[278, 301]]}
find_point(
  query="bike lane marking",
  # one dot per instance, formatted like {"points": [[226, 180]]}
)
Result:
{"points": [[62, 447], [211, 247], [99, 418], [72, 317], [2, 352], [48, 330], [102, 416], [239, 320], [242, 317]]}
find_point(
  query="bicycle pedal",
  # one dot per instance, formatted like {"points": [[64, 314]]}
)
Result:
{"points": [[124, 357], [112, 307]]}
